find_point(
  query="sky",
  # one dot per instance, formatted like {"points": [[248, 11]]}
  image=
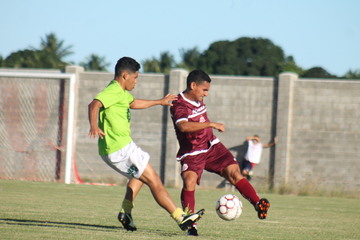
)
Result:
{"points": [[317, 33]]}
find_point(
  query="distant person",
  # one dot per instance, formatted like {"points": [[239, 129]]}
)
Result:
{"points": [[109, 117], [253, 154], [201, 150]]}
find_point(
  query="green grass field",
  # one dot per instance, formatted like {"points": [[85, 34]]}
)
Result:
{"points": [[33, 210]]}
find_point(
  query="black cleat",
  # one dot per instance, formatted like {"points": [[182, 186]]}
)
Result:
{"points": [[262, 207], [127, 221], [192, 231], [190, 219]]}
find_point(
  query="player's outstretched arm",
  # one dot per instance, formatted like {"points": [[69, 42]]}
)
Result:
{"points": [[270, 144], [142, 104]]}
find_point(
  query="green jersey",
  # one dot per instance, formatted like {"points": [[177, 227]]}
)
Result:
{"points": [[114, 118]]}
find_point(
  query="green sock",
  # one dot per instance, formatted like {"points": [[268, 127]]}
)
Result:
{"points": [[127, 206]]}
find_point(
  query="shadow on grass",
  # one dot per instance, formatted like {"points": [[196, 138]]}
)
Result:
{"points": [[58, 224], [84, 226]]}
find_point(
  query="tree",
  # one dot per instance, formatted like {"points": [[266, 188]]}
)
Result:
{"points": [[23, 59], [95, 63], [290, 66], [352, 74], [190, 58], [53, 52], [219, 58], [163, 65], [166, 62], [151, 65], [244, 56], [1, 61], [317, 72]]}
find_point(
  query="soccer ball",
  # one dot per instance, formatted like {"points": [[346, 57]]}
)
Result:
{"points": [[229, 207]]}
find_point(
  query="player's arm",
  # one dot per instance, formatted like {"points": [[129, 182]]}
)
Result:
{"points": [[93, 112], [188, 127], [270, 144], [141, 103]]}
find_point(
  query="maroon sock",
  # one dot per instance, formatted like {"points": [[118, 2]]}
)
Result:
{"points": [[188, 200], [247, 191]]}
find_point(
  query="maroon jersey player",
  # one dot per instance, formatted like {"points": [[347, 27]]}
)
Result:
{"points": [[201, 150]]}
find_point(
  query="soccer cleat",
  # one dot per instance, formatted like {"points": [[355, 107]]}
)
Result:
{"points": [[192, 231], [127, 221], [189, 220], [262, 207]]}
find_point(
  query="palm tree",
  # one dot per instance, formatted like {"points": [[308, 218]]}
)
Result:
{"points": [[53, 52], [190, 58], [353, 74], [95, 63], [151, 65], [166, 62], [161, 65]]}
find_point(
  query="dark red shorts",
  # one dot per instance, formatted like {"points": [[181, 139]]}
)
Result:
{"points": [[215, 160]]}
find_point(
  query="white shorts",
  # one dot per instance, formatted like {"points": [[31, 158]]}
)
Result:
{"points": [[129, 161]]}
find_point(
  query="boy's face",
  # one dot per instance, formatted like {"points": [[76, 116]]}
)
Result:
{"points": [[130, 80], [199, 91]]}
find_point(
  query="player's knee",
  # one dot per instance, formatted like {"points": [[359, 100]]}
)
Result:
{"points": [[189, 180], [189, 184], [233, 176], [151, 179]]}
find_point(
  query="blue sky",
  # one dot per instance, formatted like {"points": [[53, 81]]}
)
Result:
{"points": [[323, 33]]}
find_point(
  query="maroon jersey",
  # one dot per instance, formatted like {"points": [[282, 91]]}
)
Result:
{"points": [[192, 143]]}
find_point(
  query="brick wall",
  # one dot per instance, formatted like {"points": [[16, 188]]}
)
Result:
{"points": [[316, 122]]}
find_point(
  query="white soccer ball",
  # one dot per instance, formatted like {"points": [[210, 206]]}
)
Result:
{"points": [[229, 207]]}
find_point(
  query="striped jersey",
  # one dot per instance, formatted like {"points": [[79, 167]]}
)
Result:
{"points": [[196, 142]]}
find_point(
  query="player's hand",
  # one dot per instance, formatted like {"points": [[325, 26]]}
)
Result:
{"points": [[96, 132], [166, 101], [219, 126]]}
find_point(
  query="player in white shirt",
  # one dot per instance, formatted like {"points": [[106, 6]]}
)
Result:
{"points": [[253, 154]]}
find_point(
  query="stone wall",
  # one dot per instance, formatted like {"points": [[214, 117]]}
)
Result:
{"points": [[316, 122]]}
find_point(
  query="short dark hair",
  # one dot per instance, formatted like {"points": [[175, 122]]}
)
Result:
{"points": [[126, 64], [198, 76]]}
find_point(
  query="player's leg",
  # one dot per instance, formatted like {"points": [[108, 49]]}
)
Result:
{"points": [[132, 189], [232, 174], [188, 191], [245, 168], [221, 161], [162, 197], [188, 196], [132, 162], [192, 169]]}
